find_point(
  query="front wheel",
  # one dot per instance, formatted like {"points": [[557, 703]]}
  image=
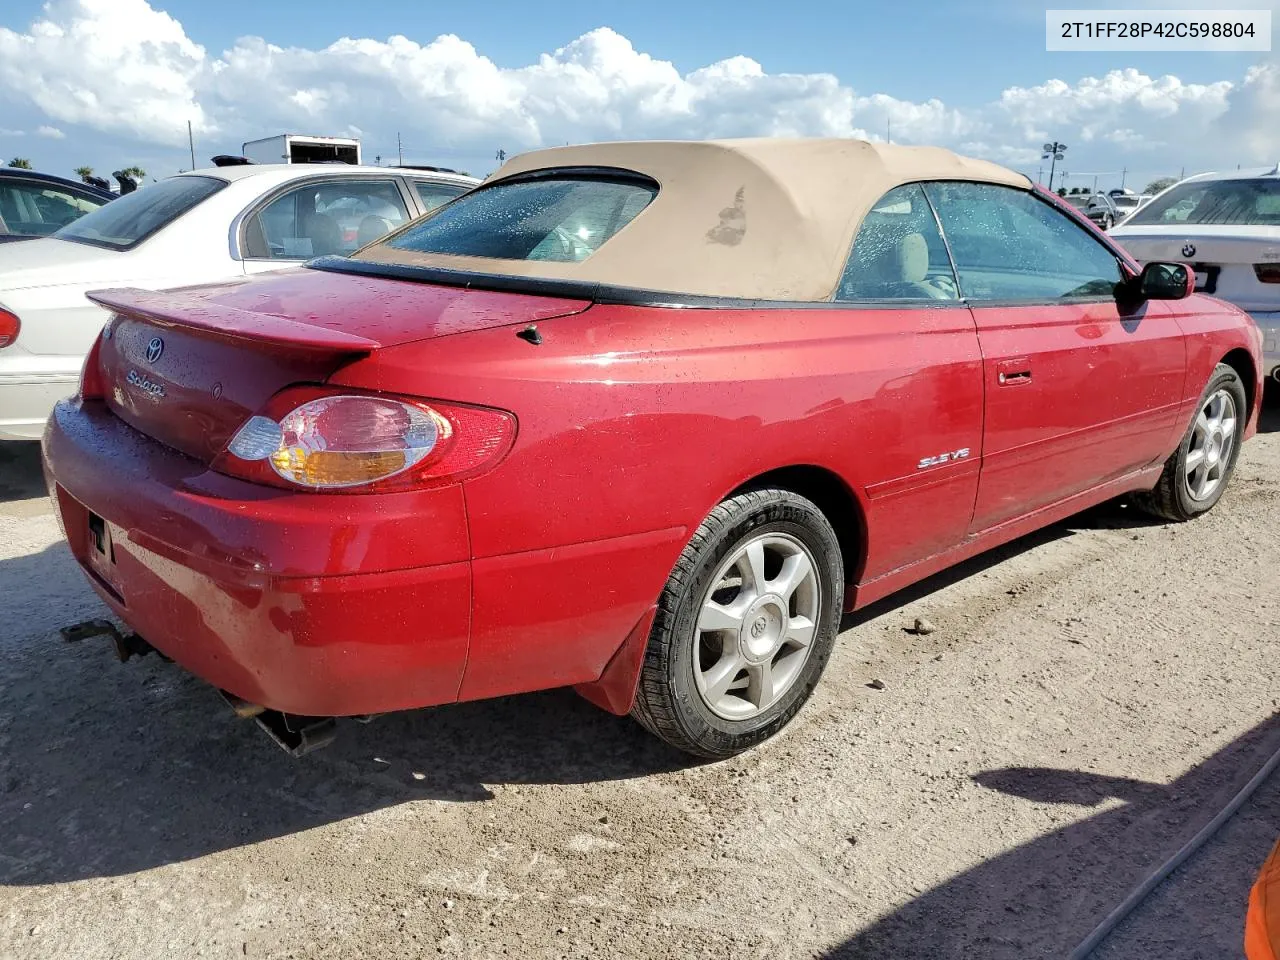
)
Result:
{"points": [[744, 626], [1108, 223], [1196, 476]]}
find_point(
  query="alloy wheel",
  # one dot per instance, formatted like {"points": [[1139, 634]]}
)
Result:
{"points": [[756, 625], [1213, 441]]}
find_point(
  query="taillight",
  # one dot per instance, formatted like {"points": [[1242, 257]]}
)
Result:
{"points": [[316, 438], [9, 327], [92, 384], [1267, 272]]}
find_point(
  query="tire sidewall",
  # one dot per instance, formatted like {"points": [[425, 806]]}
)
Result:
{"points": [[794, 517], [1228, 378]]}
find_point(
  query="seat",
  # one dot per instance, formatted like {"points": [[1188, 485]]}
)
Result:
{"points": [[894, 269], [372, 228], [322, 230]]}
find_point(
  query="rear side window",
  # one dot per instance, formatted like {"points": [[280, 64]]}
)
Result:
{"points": [[127, 221], [1010, 245], [432, 194], [1228, 202], [898, 253], [558, 217], [324, 218]]}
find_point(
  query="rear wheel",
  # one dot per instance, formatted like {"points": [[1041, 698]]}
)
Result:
{"points": [[1197, 474], [744, 627]]}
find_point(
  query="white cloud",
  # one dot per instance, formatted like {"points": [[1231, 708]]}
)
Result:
{"points": [[124, 68], [12, 133], [115, 65], [53, 133]]}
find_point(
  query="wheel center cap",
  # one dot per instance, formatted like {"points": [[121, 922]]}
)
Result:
{"points": [[762, 629]]}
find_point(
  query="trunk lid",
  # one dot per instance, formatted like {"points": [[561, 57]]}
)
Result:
{"points": [[188, 367], [1223, 257]]}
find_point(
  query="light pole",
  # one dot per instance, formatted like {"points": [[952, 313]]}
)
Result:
{"points": [[1053, 152]]}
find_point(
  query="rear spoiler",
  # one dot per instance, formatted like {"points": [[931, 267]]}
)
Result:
{"points": [[196, 313]]}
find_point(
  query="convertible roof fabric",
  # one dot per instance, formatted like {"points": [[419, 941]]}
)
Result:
{"points": [[767, 219]]}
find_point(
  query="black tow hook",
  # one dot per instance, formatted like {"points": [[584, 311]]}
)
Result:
{"points": [[126, 644]]}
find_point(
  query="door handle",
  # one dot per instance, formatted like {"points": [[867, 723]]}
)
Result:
{"points": [[1010, 373]]}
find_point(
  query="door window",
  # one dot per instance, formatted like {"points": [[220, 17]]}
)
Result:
{"points": [[319, 219], [1010, 245], [432, 193], [898, 253]]}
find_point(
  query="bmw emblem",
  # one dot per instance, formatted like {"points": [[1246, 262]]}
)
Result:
{"points": [[154, 349], [1188, 249]]}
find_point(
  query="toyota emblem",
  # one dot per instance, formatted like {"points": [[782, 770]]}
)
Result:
{"points": [[1188, 249], [154, 349]]}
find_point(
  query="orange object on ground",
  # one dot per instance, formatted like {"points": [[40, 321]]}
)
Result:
{"points": [[1262, 924]]}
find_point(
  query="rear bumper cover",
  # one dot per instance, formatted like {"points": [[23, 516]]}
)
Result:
{"points": [[282, 603], [1269, 324], [342, 605]]}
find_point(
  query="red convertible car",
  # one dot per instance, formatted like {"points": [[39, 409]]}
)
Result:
{"points": [[637, 418]]}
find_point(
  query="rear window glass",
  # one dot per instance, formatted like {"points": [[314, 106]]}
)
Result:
{"points": [[562, 218], [129, 220], [1232, 202]]}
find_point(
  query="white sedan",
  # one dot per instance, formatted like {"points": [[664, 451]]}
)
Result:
{"points": [[199, 227], [1227, 226]]}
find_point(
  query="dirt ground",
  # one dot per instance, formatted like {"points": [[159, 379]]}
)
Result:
{"points": [[1093, 695]]}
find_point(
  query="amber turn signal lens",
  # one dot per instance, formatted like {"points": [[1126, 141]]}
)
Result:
{"points": [[343, 440]]}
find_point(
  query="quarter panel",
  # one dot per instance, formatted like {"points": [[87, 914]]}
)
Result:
{"points": [[638, 419]]}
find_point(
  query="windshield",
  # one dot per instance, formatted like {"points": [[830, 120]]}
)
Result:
{"points": [[1078, 202], [562, 217], [126, 222], [1232, 202], [1126, 203]]}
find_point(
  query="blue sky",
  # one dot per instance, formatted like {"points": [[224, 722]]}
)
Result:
{"points": [[966, 55]]}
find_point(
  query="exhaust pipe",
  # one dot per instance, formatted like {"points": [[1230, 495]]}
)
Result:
{"points": [[295, 735], [1275, 374]]}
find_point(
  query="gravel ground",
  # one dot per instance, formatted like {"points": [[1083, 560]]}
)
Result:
{"points": [[1093, 695]]}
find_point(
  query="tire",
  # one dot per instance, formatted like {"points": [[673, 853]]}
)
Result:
{"points": [[680, 698], [1108, 223], [1192, 485]]}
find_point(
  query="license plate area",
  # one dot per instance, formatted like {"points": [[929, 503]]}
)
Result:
{"points": [[1206, 277], [100, 545], [102, 553]]}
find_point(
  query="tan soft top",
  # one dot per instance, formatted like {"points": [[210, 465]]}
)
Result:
{"points": [[767, 219]]}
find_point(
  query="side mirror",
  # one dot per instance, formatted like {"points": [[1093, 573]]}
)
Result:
{"points": [[1166, 281]]}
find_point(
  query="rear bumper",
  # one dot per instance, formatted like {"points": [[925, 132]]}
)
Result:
{"points": [[1269, 324], [306, 604], [27, 401]]}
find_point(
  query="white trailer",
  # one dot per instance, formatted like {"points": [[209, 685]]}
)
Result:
{"points": [[298, 148]]}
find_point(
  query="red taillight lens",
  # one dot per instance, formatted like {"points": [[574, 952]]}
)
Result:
{"points": [[92, 384], [322, 439], [10, 326], [1267, 272]]}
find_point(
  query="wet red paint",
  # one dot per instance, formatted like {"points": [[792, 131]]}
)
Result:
{"points": [[633, 422]]}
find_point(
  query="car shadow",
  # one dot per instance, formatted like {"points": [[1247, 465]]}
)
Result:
{"points": [[21, 476], [107, 768], [1115, 514], [1043, 898], [1269, 420]]}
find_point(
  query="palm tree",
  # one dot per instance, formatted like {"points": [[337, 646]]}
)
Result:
{"points": [[136, 172], [84, 173], [1155, 186], [22, 163]]}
